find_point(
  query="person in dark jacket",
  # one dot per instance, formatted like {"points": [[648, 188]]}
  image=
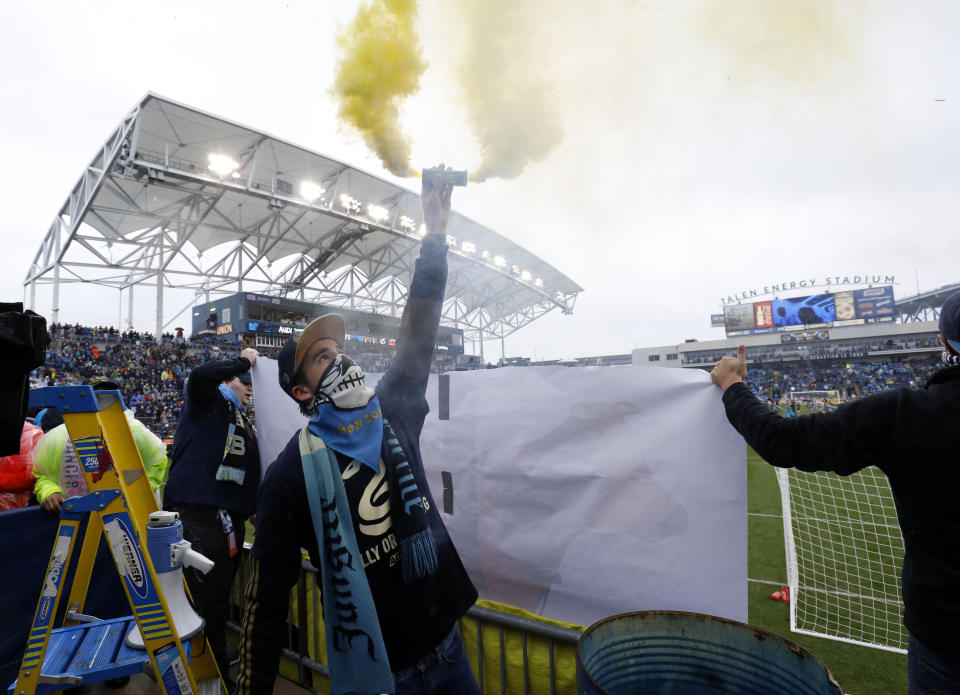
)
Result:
{"points": [[350, 488], [913, 436], [213, 483]]}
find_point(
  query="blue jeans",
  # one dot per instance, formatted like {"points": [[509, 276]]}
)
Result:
{"points": [[446, 670], [931, 671]]}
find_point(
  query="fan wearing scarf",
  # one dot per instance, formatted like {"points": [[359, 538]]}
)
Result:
{"points": [[213, 484], [350, 488], [913, 436]]}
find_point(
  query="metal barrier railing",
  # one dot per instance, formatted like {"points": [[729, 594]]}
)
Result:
{"points": [[304, 628]]}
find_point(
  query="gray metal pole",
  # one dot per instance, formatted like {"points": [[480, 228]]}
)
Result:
{"points": [[480, 316], [130, 310], [55, 314], [158, 334]]}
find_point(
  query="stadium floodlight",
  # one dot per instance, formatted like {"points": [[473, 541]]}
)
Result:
{"points": [[538, 283], [407, 223], [221, 164], [515, 269], [451, 240], [468, 247], [485, 255], [526, 276], [311, 191], [500, 261], [352, 205], [377, 212], [559, 295]]}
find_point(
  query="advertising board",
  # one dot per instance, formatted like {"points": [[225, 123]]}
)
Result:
{"points": [[847, 308]]}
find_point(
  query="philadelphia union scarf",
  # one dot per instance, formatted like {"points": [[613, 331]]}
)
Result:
{"points": [[355, 652], [950, 359], [357, 656]]}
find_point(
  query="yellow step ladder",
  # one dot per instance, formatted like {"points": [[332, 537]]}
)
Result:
{"points": [[119, 503]]}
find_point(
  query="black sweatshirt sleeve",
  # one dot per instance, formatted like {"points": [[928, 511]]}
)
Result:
{"points": [[845, 441], [404, 386], [205, 378]]}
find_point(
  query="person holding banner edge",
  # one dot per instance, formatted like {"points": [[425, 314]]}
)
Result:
{"points": [[350, 488], [912, 435]]}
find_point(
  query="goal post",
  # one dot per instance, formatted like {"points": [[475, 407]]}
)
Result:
{"points": [[823, 397], [844, 553]]}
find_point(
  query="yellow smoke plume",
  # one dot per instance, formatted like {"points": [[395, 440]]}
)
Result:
{"points": [[801, 44], [380, 65], [503, 81]]}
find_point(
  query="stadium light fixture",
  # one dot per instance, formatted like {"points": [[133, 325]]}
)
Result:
{"points": [[500, 261], [526, 276], [538, 283], [515, 269], [311, 191], [351, 205], [222, 165], [407, 223], [377, 212], [468, 247], [451, 240], [485, 255]]}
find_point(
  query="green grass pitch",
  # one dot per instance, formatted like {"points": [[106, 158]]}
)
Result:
{"points": [[859, 670]]}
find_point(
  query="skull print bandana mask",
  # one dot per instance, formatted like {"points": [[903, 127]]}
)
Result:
{"points": [[344, 385], [347, 415]]}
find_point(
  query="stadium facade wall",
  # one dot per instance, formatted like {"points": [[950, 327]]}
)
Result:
{"points": [[679, 355]]}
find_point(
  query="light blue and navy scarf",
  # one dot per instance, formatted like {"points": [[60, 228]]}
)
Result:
{"points": [[225, 473], [355, 649], [949, 358]]}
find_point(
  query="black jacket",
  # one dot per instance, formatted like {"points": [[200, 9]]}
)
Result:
{"points": [[201, 444], [913, 436]]}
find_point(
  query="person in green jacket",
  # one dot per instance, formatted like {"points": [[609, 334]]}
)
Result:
{"points": [[57, 468]]}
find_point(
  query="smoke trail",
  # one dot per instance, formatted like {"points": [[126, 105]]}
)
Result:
{"points": [[380, 64], [502, 76], [804, 44]]}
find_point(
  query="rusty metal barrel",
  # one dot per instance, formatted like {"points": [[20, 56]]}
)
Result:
{"points": [[671, 652]]}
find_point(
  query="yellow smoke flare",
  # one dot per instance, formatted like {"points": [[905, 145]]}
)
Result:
{"points": [[800, 44], [380, 65], [505, 85]]}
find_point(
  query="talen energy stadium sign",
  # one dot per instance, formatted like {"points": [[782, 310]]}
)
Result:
{"points": [[833, 281]]}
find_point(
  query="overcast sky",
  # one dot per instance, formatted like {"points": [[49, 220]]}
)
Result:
{"points": [[707, 147]]}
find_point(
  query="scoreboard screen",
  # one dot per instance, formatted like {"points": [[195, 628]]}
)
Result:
{"points": [[812, 311]]}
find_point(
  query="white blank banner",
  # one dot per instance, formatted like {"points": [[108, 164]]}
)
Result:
{"points": [[579, 493]]}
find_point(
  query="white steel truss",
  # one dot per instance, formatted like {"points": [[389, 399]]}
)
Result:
{"points": [[150, 210]]}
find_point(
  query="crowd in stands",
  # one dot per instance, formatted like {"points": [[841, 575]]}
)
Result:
{"points": [[151, 376], [850, 380], [819, 350]]}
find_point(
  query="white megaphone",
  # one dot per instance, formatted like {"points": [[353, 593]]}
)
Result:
{"points": [[170, 553]]}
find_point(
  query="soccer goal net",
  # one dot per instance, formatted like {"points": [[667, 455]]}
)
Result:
{"points": [[844, 556], [819, 399]]}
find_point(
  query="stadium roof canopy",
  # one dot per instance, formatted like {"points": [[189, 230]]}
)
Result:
{"points": [[211, 206], [926, 305]]}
